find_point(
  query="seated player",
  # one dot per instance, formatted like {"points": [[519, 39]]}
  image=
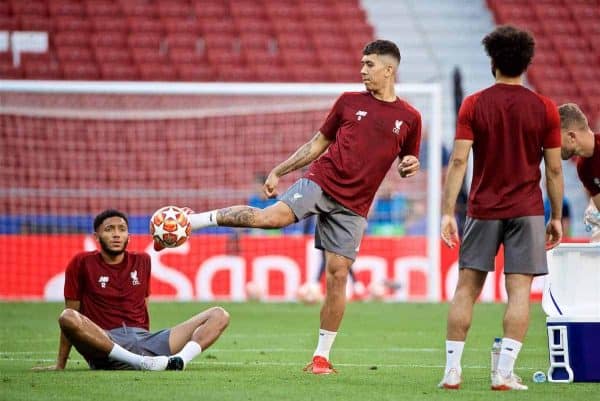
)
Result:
{"points": [[106, 315]]}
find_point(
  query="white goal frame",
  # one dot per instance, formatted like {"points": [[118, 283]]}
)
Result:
{"points": [[433, 90]]}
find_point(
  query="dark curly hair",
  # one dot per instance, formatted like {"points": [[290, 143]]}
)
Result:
{"points": [[382, 47], [99, 219], [510, 49]]}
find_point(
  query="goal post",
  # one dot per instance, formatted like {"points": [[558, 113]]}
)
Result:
{"points": [[138, 144]]}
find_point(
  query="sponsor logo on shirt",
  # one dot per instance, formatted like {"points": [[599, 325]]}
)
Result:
{"points": [[360, 114], [396, 129], [134, 278], [103, 280], [597, 181], [296, 196]]}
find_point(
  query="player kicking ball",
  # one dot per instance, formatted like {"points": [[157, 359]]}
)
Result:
{"points": [[349, 156]]}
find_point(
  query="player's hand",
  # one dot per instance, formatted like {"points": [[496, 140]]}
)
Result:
{"points": [[46, 368], [449, 231], [270, 186], [408, 166], [553, 233]]}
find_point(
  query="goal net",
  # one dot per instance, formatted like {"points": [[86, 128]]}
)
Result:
{"points": [[72, 149]]}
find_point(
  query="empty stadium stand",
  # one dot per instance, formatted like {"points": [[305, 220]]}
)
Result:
{"points": [[189, 40]]}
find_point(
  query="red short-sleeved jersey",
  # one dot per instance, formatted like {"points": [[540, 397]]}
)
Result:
{"points": [[110, 295], [510, 127], [588, 169], [368, 135]]}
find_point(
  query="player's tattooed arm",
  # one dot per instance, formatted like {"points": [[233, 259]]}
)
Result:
{"points": [[304, 155]]}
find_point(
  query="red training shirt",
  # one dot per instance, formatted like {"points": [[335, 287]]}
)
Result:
{"points": [[588, 169], [110, 295], [368, 135], [510, 127]]}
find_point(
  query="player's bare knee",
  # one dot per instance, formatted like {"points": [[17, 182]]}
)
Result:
{"points": [[221, 316], [69, 319]]}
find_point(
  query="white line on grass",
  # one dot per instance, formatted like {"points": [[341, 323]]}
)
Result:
{"points": [[294, 364]]}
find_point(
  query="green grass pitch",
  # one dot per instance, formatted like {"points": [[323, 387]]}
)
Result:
{"points": [[383, 352]]}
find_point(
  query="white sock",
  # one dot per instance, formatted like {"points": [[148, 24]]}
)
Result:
{"points": [[454, 350], [326, 339], [121, 354], [205, 219], [508, 355], [189, 351]]}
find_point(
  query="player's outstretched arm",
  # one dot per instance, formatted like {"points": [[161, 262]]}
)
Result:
{"points": [[64, 345], [301, 157]]}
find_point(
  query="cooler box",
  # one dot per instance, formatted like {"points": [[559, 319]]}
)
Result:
{"points": [[571, 301]]}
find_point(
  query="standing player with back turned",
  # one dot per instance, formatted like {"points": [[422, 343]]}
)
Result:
{"points": [[363, 134], [510, 129]]}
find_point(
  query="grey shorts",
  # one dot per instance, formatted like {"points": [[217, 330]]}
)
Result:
{"points": [[524, 245], [136, 340], [338, 229]]}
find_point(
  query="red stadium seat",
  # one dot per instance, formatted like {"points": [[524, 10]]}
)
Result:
{"points": [[253, 26], [5, 9], [187, 40], [70, 38], [246, 9], [262, 56], [108, 39], [222, 26], [112, 54], [195, 72], [109, 24], [71, 23], [7, 69], [78, 70], [139, 24], [105, 8], [41, 70], [151, 40], [118, 72], [181, 25], [289, 41], [211, 9], [35, 23], [221, 41], [72, 53], [217, 56], [65, 7], [252, 40], [138, 8], [186, 55], [31, 7], [143, 55], [157, 72], [235, 73], [171, 8], [8, 23]]}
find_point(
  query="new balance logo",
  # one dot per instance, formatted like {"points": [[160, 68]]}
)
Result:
{"points": [[396, 129], [297, 196], [103, 280], [360, 114]]}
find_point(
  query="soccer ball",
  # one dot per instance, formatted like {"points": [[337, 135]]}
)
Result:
{"points": [[254, 291], [170, 226], [310, 293], [377, 291]]}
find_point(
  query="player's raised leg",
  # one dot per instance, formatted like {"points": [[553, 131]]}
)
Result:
{"points": [[94, 343], [332, 311], [188, 339], [275, 216], [460, 315]]}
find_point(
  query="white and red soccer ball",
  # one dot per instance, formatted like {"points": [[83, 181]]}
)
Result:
{"points": [[310, 293], [170, 226]]}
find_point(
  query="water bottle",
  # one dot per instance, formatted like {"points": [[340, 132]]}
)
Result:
{"points": [[496, 346]]}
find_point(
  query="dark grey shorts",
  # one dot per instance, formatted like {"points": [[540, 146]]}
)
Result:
{"points": [[524, 240], [136, 340], [338, 229]]}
